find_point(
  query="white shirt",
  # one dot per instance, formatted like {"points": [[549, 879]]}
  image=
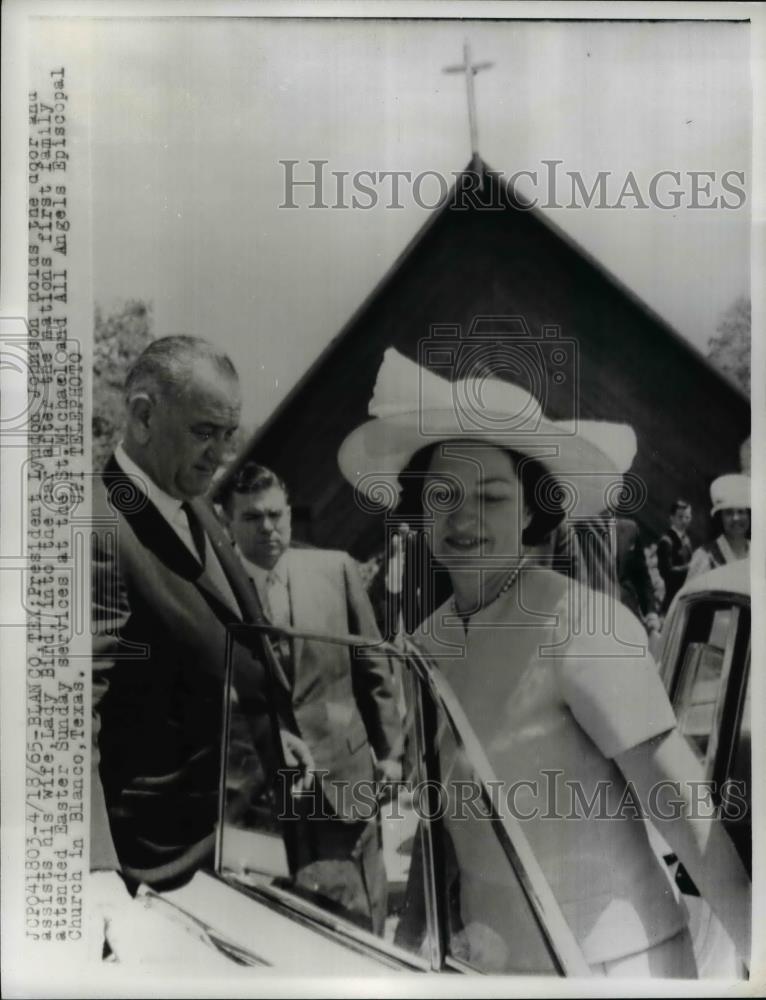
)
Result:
{"points": [[682, 535], [172, 510], [273, 586]]}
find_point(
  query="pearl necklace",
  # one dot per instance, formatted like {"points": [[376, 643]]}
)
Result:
{"points": [[507, 584]]}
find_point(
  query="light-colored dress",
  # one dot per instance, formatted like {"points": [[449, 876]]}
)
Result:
{"points": [[556, 681], [715, 553]]}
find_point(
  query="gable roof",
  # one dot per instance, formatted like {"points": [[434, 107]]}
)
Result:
{"points": [[490, 274]]}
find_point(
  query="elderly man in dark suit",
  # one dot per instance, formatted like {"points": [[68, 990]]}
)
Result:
{"points": [[166, 585], [342, 705]]}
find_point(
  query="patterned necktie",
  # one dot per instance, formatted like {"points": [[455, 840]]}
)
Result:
{"points": [[278, 601], [196, 529]]}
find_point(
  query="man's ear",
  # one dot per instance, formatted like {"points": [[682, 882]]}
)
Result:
{"points": [[527, 519], [140, 413]]}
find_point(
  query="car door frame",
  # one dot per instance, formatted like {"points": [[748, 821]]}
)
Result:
{"points": [[730, 700], [564, 949]]}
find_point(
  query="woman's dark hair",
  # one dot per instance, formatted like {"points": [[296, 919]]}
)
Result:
{"points": [[717, 522], [541, 492]]}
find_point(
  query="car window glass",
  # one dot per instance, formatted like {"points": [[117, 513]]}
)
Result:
{"points": [[492, 926], [719, 627], [339, 841], [704, 660]]}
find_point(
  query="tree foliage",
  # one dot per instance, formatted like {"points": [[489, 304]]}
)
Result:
{"points": [[118, 339], [729, 349]]}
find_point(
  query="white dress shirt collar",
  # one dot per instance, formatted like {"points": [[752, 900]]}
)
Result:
{"points": [[170, 508], [260, 576]]}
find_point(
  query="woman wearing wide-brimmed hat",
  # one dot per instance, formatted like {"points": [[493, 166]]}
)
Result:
{"points": [[730, 497], [552, 677]]}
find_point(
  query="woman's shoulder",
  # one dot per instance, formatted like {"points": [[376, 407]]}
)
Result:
{"points": [[607, 676], [548, 587], [597, 620], [575, 610]]}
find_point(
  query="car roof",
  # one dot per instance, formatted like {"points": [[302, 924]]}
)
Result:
{"points": [[732, 577]]}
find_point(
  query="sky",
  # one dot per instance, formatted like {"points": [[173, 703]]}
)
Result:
{"points": [[189, 119]]}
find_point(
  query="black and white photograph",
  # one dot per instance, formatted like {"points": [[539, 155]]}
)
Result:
{"points": [[380, 449]]}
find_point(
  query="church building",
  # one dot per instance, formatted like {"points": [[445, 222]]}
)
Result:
{"points": [[583, 343]]}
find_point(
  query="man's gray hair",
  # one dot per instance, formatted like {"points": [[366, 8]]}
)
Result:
{"points": [[164, 368]]}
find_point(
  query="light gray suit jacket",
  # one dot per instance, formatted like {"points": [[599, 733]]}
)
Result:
{"points": [[341, 701]]}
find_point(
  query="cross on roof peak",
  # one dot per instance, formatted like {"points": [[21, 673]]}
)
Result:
{"points": [[470, 69]]}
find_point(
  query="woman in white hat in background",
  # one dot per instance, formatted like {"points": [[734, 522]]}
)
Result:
{"points": [[545, 692], [730, 496]]}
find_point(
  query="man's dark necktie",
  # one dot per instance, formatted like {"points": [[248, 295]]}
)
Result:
{"points": [[196, 529]]}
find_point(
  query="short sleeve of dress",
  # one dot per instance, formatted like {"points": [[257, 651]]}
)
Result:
{"points": [[610, 682]]}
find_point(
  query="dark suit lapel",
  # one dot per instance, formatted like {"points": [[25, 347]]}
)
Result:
{"points": [[248, 604], [150, 526], [156, 534], [243, 587]]}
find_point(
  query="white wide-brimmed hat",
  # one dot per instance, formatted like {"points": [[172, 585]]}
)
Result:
{"points": [[732, 490], [413, 407]]}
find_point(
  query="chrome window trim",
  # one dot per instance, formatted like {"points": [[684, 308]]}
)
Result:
{"points": [[434, 931], [726, 752], [669, 665], [678, 684], [677, 618], [316, 918], [728, 659], [217, 941]]}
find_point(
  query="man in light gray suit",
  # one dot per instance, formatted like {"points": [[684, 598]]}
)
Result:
{"points": [[342, 705]]}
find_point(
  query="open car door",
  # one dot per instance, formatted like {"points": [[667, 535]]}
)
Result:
{"points": [[463, 890]]}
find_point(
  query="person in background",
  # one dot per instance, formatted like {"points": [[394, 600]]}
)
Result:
{"points": [[674, 551], [636, 591], [340, 703], [604, 552], [730, 496]]}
